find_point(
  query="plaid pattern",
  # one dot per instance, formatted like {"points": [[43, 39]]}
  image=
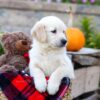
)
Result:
{"points": [[18, 86]]}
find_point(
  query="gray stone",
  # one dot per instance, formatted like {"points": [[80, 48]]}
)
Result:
{"points": [[23, 14]]}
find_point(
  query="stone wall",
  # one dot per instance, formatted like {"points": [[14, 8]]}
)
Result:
{"points": [[20, 15]]}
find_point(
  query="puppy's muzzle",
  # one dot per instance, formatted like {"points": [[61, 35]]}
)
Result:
{"points": [[63, 42]]}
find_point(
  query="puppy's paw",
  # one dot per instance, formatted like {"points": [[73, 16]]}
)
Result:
{"points": [[52, 87], [40, 85]]}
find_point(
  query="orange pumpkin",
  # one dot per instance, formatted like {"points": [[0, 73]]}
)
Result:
{"points": [[76, 39]]}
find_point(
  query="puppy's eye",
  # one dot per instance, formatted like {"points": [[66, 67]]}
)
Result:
{"points": [[64, 32], [54, 31]]}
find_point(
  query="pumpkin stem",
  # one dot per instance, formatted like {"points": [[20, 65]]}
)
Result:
{"points": [[70, 13]]}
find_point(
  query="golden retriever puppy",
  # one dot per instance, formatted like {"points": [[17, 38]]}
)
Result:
{"points": [[48, 55]]}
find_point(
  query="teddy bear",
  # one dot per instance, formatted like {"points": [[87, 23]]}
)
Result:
{"points": [[15, 46]]}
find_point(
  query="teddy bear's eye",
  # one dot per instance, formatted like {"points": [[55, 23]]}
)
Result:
{"points": [[54, 31]]}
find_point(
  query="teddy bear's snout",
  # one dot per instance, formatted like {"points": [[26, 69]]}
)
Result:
{"points": [[24, 42], [22, 45]]}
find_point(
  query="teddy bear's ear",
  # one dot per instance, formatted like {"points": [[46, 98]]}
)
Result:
{"points": [[5, 36]]}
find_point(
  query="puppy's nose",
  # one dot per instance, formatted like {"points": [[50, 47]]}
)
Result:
{"points": [[63, 41]]}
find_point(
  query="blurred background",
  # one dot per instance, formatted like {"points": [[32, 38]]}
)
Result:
{"points": [[21, 15]]}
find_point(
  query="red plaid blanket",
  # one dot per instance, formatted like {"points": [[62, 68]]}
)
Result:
{"points": [[17, 86]]}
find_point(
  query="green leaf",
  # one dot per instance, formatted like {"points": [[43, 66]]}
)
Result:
{"points": [[91, 35]]}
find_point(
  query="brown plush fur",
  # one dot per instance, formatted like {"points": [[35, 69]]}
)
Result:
{"points": [[15, 45]]}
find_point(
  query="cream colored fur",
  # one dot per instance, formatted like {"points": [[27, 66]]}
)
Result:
{"points": [[47, 56]]}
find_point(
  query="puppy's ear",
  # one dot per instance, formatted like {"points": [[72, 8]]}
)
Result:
{"points": [[39, 32]]}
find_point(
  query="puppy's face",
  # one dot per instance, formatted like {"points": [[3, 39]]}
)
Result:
{"points": [[50, 31]]}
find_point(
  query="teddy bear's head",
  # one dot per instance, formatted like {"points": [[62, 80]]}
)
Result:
{"points": [[16, 43]]}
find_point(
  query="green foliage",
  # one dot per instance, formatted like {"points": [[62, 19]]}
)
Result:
{"points": [[66, 1], [92, 37], [1, 48], [97, 2], [95, 40]]}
